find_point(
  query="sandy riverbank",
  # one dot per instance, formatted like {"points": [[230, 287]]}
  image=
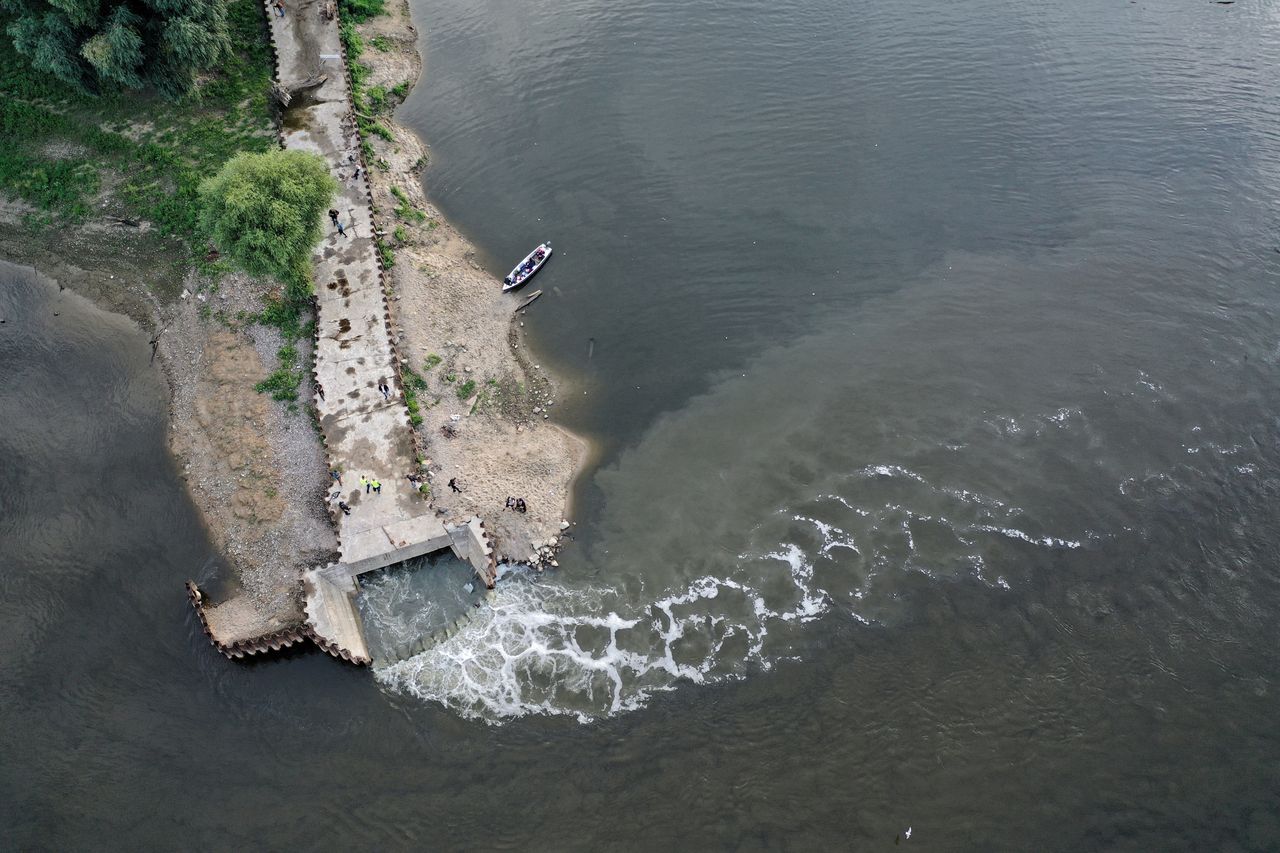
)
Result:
{"points": [[446, 306]]}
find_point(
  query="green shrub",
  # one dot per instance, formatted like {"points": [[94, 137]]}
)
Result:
{"points": [[359, 11], [466, 389], [281, 385]]}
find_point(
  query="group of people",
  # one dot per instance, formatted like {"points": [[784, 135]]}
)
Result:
{"points": [[525, 268], [516, 505]]}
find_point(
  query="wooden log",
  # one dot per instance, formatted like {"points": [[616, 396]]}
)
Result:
{"points": [[529, 301]]}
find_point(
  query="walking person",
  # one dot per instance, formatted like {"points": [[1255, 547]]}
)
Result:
{"points": [[342, 231], [333, 216], [336, 475], [453, 484], [386, 392], [364, 481], [377, 487]]}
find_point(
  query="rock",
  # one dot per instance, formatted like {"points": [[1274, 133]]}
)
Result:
{"points": [[537, 409], [564, 525], [185, 293], [554, 563]]}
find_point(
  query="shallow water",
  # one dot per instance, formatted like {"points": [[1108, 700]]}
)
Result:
{"points": [[932, 354]]}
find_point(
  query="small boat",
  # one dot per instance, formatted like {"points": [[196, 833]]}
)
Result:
{"points": [[525, 269]]}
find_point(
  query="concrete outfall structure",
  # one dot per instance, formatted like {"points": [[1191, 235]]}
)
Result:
{"points": [[364, 431]]}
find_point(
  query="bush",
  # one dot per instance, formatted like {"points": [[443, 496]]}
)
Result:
{"points": [[359, 11], [266, 211], [466, 389]]}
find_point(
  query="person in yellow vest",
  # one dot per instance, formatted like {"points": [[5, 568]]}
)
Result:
{"points": [[377, 486], [364, 481]]}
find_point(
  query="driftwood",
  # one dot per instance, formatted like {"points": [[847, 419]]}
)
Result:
{"points": [[283, 95], [529, 301]]}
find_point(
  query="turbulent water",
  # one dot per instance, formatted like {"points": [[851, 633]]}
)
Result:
{"points": [[932, 358]]}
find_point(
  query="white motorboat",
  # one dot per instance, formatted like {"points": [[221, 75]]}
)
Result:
{"points": [[525, 269]]}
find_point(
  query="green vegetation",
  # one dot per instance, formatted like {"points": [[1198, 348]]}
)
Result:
{"points": [[401, 90], [404, 210], [385, 254], [96, 46], [466, 389], [359, 11], [60, 146], [401, 235], [432, 361], [281, 385], [413, 383], [381, 44], [265, 210]]}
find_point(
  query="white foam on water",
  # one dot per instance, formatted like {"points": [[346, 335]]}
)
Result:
{"points": [[1014, 533], [544, 648]]}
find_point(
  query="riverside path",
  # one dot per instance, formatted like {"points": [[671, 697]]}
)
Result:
{"points": [[366, 433]]}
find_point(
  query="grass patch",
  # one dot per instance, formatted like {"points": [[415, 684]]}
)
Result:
{"points": [[405, 209], [359, 11], [466, 389], [382, 44], [153, 151], [432, 361], [282, 385], [401, 90], [386, 255]]}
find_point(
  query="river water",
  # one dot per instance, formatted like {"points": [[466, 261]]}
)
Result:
{"points": [[932, 358]]}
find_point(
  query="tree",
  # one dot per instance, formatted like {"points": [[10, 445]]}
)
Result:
{"points": [[266, 211], [98, 45]]}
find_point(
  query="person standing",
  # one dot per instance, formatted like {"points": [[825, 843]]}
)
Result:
{"points": [[333, 216], [377, 487], [364, 481]]}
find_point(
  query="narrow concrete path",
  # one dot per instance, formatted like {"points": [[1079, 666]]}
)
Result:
{"points": [[365, 433]]}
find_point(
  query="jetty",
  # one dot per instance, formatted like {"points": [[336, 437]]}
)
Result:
{"points": [[366, 430]]}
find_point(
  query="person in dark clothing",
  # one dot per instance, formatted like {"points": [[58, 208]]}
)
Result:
{"points": [[342, 505], [333, 216], [520, 506], [511, 503], [453, 484]]}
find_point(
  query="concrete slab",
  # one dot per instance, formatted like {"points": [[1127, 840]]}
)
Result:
{"points": [[365, 434]]}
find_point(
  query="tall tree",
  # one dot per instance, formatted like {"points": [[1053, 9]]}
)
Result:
{"points": [[99, 45], [266, 210]]}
